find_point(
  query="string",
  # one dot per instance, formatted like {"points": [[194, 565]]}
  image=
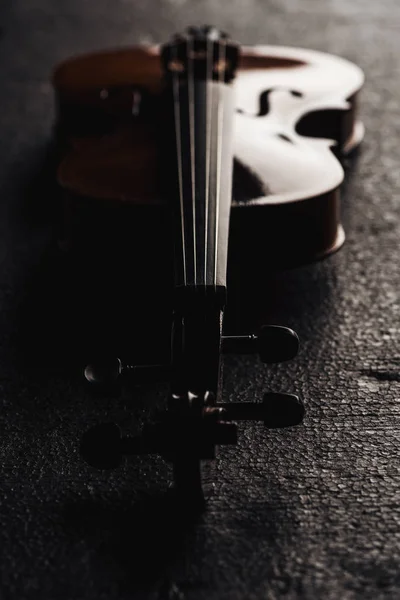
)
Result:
{"points": [[136, 100], [208, 148], [221, 70], [190, 51], [178, 136]]}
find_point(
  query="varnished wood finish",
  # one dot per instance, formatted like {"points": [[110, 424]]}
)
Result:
{"points": [[297, 111]]}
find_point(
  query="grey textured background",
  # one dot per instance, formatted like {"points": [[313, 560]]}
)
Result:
{"points": [[310, 513]]}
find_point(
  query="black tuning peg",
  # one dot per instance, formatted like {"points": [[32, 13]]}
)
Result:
{"points": [[274, 344], [277, 344], [103, 447], [110, 370], [276, 410], [104, 371], [282, 410]]}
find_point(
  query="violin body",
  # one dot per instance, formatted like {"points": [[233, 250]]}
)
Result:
{"points": [[296, 117], [196, 155]]}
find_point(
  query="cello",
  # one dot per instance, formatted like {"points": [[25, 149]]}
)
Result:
{"points": [[219, 146]]}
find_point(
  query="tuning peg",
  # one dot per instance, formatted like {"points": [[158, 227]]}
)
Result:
{"points": [[104, 371], [277, 344], [110, 370], [273, 344], [282, 410], [103, 447], [276, 410]]}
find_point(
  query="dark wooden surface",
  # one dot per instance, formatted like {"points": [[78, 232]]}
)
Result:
{"points": [[310, 513]]}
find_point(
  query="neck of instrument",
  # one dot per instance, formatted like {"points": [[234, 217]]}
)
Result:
{"points": [[199, 163]]}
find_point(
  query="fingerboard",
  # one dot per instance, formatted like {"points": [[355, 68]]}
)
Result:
{"points": [[200, 68]]}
